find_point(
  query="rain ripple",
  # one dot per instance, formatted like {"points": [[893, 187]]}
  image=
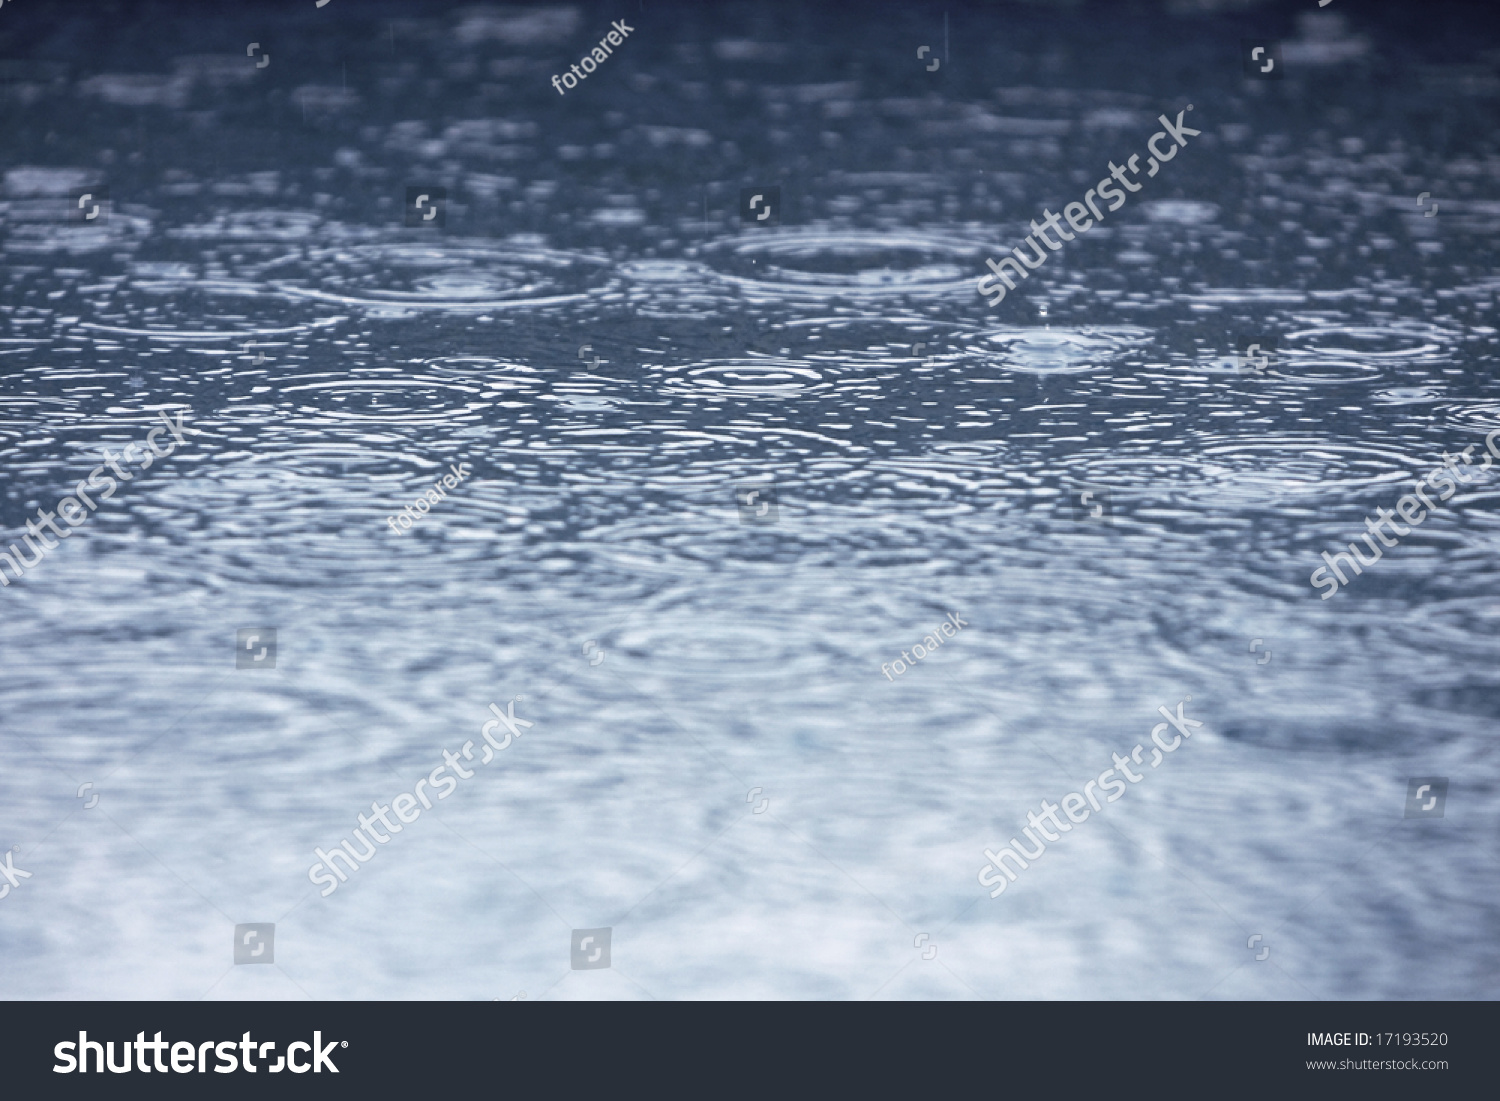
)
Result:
{"points": [[1051, 351], [395, 280], [823, 264]]}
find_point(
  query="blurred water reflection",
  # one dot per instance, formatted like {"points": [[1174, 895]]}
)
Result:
{"points": [[254, 269]]}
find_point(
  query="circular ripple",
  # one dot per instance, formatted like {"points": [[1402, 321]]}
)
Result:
{"points": [[387, 398], [676, 289], [665, 271], [748, 378], [189, 336], [942, 472], [1323, 371], [255, 225], [814, 264], [1270, 472], [1480, 416], [399, 279], [122, 231], [1398, 341], [477, 368], [980, 450], [1180, 211], [587, 402], [1408, 395], [1055, 350]]}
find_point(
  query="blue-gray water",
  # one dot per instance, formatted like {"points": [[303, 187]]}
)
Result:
{"points": [[252, 271]]}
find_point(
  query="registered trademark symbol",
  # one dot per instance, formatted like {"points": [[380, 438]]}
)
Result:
{"points": [[344, 1044]]}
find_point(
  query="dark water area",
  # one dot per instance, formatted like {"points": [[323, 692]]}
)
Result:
{"points": [[715, 478]]}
